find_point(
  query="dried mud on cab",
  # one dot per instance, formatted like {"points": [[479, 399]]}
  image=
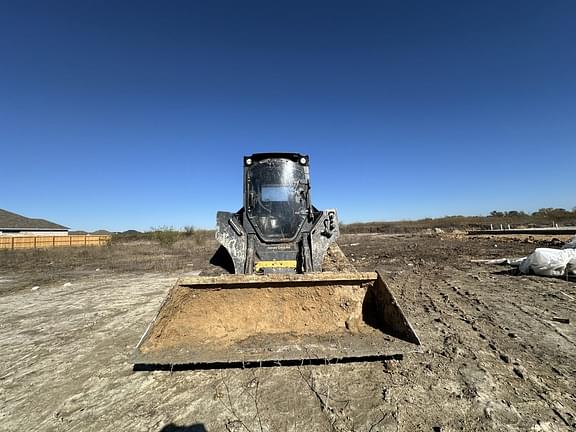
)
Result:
{"points": [[242, 319]]}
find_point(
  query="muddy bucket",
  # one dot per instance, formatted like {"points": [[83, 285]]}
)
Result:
{"points": [[246, 319]]}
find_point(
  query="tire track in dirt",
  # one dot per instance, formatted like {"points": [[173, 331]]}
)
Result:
{"points": [[463, 301]]}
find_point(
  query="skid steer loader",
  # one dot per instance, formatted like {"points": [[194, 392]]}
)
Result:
{"points": [[294, 295]]}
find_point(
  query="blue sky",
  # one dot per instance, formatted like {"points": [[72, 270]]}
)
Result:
{"points": [[119, 115]]}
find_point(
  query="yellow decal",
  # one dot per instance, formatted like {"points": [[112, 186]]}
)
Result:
{"points": [[274, 264]]}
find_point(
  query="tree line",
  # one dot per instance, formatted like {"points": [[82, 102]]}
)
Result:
{"points": [[547, 212], [541, 218]]}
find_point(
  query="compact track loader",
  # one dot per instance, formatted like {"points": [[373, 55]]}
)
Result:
{"points": [[294, 295]]}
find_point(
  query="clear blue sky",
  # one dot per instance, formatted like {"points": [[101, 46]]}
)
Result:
{"points": [[118, 115]]}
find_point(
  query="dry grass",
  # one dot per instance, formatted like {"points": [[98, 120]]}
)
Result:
{"points": [[462, 222], [124, 254], [167, 236]]}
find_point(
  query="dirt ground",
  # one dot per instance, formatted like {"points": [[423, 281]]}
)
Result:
{"points": [[496, 356]]}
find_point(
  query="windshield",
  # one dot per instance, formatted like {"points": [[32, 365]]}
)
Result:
{"points": [[277, 198], [276, 193]]}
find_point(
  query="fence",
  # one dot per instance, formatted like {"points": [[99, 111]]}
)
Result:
{"points": [[41, 242]]}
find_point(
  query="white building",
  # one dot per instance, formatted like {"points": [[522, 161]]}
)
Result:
{"points": [[12, 224]]}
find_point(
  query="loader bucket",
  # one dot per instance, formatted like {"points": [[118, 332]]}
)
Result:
{"points": [[256, 319]]}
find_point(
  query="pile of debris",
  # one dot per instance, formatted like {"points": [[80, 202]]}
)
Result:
{"points": [[544, 261]]}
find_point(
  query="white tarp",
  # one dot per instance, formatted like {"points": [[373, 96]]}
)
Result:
{"points": [[550, 262], [544, 261]]}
